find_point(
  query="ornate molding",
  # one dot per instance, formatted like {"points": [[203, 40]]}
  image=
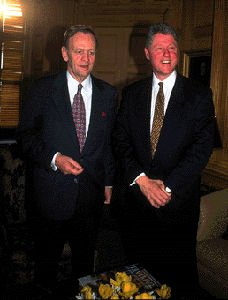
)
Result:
{"points": [[124, 7]]}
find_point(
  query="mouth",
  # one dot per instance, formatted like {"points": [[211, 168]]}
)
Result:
{"points": [[166, 62], [84, 67]]}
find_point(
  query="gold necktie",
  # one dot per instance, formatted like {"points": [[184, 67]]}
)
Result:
{"points": [[158, 119]]}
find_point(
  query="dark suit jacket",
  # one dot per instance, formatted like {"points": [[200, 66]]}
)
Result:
{"points": [[184, 147], [47, 127]]}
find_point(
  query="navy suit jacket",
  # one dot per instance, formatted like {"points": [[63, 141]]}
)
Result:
{"points": [[184, 147], [47, 127]]}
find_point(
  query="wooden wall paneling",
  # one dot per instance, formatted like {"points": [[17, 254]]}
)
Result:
{"points": [[203, 23], [137, 65], [173, 14], [203, 13], [51, 18], [110, 54], [186, 30], [120, 58], [28, 11], [216, 172], [202, 27], [121, 31], [225, 82], [121, 13], [197, 20]]}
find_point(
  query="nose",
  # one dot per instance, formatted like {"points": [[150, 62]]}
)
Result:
{"points": [[166, 52], [85, 56]]}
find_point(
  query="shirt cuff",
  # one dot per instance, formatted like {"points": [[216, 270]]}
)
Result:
{"points": [[53, 166], [168, 190], [134, 182]]}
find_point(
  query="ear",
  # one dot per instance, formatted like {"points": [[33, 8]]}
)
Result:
{"points": [[64, 54], [147, 53]]}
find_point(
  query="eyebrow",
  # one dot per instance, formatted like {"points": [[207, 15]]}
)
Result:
{"points": [[90, 49]]}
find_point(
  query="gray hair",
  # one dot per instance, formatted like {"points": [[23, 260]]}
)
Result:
{"points": [[75, 29], [159, 28]]}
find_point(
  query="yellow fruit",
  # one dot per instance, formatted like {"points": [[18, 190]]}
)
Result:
{"points": [[87, 291], [105, 291], [164, 292], [122, 277], [126, 287], [114, 297], [144, 296]]}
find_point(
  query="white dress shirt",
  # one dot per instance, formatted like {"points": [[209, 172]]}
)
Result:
{"points": [[86, 92], [168, 84]]}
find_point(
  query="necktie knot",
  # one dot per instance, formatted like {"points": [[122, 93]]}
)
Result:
{"points": [[161, 85], [79, 88], [160, 92]]}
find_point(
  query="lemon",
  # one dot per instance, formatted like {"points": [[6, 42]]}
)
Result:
{"points": [[144, 296], [126, 287]]}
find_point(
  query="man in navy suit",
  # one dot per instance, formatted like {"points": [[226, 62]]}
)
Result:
{"points": [[162, 191], [70, 184]]}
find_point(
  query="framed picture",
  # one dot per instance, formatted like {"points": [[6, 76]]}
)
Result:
{"points": [[197, 65]]}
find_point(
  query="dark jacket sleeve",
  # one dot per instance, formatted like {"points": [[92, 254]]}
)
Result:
{"points": [[109, 162], [31, 125], [197, 154], [125, 140]]}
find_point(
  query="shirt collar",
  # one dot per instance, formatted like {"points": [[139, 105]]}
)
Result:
{"points": [[87, 83], [169, 81]]}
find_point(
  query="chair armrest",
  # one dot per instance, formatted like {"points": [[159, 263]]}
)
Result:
{"points": [[213, 215]]}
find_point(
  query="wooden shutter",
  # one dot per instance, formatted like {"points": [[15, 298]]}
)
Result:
{"points": [[12, 44]]}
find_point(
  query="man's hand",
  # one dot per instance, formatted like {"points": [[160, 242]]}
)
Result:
{"points": [[67, 165], [108, 195], [154, 190]]}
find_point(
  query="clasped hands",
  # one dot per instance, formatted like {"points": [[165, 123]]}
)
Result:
{"points": [[69, 166], [154, 191]]}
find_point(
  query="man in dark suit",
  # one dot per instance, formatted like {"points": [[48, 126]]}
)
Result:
{"points": [[161, 169], [72, 171]]}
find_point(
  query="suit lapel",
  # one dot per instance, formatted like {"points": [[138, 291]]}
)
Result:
{"points": [[142, 111], [174, 115], [61, 99], [97, 108], [175, 106], [140, 108]]}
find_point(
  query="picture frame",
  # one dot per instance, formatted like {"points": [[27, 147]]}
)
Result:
{"points": [[197, 66]]}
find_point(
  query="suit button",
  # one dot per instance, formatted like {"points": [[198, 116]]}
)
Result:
{"points": [[75, 180]]}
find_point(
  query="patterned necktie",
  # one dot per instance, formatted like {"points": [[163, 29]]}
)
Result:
{"points": [[79, 117], [158, 119]]}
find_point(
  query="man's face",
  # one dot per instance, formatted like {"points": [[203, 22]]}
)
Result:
{"points": [[163, 55], [80, 55]]}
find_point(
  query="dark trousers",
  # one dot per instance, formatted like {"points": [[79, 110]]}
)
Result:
{"points": [[49, 238], [167, 250]]}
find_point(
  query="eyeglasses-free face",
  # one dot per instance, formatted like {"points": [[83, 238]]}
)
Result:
{"points": [[163, 55], [80, 55]]}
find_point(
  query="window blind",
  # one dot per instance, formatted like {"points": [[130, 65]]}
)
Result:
{"points": [[12, 44]]}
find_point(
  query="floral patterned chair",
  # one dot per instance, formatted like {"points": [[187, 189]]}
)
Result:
{"points": [[212, 244]]}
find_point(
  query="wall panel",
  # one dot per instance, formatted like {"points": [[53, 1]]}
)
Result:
{"points": [[216, 172]]}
